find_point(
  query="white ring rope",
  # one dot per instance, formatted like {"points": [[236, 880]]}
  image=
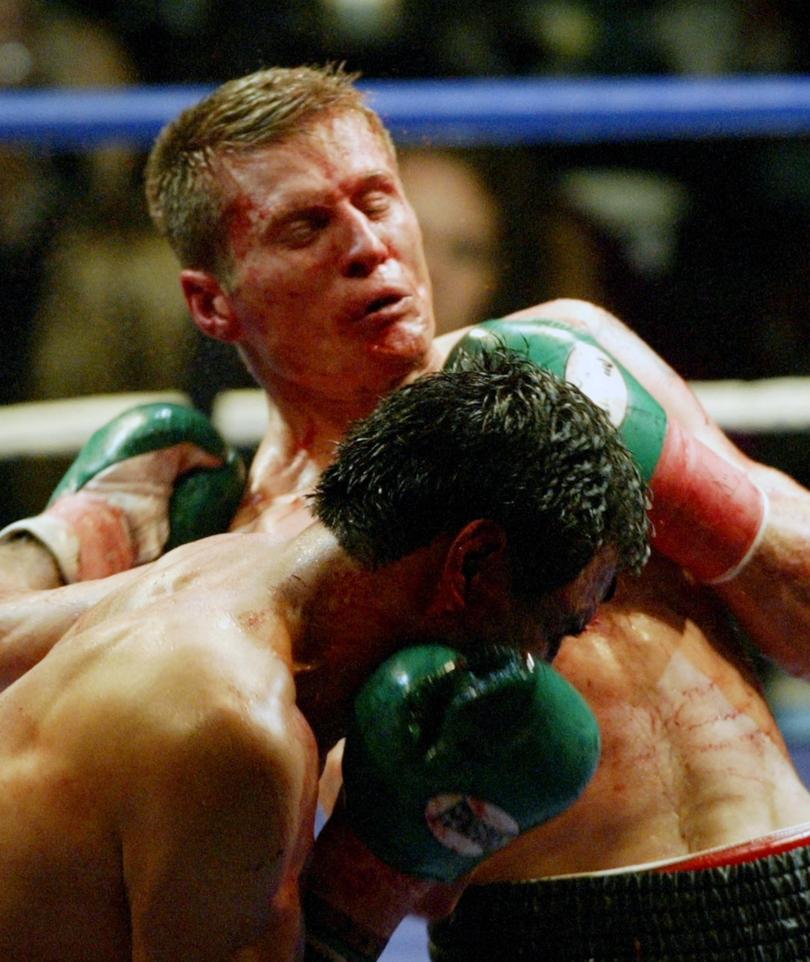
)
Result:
{"points": [[61, 427]]}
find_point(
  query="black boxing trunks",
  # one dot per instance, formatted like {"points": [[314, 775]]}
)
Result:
{"points": [[745, 903]]}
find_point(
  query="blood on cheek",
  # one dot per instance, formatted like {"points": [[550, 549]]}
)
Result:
{"points": [[261, 295], [243, 218]]}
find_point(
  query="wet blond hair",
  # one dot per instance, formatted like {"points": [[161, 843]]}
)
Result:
{"points": [[185, 195]]}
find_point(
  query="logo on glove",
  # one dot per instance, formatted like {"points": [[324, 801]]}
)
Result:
{"points": [[469, 826], [599, 379]]}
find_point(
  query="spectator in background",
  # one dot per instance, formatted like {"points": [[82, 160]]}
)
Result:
{"points": [[92, 298], [39, 46], [462, 232], [104, 271]]}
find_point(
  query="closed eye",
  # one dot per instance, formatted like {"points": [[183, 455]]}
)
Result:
{"points": [[299, 229], [374, 204]]}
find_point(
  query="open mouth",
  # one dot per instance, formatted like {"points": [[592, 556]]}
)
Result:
{"points": [[380, 303]]}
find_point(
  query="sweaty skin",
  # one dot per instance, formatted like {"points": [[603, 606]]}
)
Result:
{"points": [[143, 758], [668, 682], [691, 756], [159, 765], [660, 653], [732, 757]]}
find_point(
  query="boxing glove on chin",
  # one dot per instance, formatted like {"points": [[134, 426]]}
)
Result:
{"points": [[449, 757], [156, 476], [707, 514]]}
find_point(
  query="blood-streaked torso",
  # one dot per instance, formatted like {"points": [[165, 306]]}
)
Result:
{"points": [[691, 759]]}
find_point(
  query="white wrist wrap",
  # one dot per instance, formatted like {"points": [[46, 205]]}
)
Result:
{"points": [[57, 536]]}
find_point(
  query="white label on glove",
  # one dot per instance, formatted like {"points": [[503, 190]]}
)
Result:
{"points": [[595, 374], [469, 826]]}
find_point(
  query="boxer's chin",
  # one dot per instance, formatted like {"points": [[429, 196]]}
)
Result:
{"points": [[407, 341]]}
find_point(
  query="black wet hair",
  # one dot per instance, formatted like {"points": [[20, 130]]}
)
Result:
{"points": [[498, 438]]}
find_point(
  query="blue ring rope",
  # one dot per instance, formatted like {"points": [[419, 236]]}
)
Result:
{"points": [[456, 111]]}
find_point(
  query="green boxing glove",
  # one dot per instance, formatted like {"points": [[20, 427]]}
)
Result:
{"points": [[578, 358], [707, 514], [449, 757], [157, 476]]}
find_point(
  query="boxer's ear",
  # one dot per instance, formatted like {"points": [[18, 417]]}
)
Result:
{"points": [[476, 572], [210, 305]]}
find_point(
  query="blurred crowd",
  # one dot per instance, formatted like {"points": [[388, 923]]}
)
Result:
{"points": [[700, 246]]}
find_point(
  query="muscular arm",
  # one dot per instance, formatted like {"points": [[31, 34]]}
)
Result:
{"points": [[216, 840], [771, 595]]}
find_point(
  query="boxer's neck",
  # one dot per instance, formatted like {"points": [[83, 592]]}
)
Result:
{"points": [[284, 470], [343, 619], [304, 428]]}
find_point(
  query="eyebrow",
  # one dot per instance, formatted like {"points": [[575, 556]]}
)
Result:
{"points": [[378, 176], [308, 201]]}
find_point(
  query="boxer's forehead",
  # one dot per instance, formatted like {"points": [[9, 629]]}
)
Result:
{"points": [[329, 159]]}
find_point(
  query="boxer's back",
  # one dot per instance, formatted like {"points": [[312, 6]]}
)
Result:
{"points": [[62, 895], [95, 728], [692, 757]]}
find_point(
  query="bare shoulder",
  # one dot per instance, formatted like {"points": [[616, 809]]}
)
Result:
{"points": [[211, 678], [224, 793], [246, 733], [222, 568], [203, 757], [164, 674]]}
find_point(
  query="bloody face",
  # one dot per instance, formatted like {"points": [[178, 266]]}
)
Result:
{"points": [[329, 282]]}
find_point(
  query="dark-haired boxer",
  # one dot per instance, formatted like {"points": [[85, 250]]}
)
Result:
{"points": [[160, 764], [281, 196]]}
